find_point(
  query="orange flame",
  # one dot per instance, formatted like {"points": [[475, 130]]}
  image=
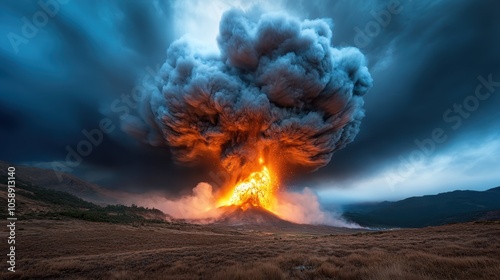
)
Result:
{"points": [[258, 190]]}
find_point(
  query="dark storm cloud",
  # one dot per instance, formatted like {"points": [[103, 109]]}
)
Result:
{"points": [[64, 76], [433, 54], [426, 58]]}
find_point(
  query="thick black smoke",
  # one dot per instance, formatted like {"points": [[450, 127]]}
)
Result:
{"points": [[278, 89]]}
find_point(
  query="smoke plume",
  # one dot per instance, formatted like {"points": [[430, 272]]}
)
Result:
{"points": [[278, 89], [298, 207], [199, 205]]}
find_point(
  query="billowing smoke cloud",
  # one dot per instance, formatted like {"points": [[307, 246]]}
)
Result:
{"points": [[304, 208], [278, 89], [298, 207], [199, 205]]}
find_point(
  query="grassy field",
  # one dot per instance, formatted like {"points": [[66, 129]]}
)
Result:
{"points": [[73, 249]]}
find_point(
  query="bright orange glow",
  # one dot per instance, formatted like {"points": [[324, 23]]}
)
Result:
{"points": [[257, 190]]}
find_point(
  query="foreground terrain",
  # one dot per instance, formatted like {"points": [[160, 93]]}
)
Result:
{"points": [[61, 236], [74, 249]]}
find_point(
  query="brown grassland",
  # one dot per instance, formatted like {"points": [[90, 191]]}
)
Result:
{"points": [[71, 249]]}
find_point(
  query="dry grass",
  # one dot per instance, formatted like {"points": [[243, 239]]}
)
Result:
{"points": [[256, 271], [84, 250]]}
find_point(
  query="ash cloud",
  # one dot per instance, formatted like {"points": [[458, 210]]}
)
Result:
{"points": [[198, 207], [278, 89], [92, 52]]}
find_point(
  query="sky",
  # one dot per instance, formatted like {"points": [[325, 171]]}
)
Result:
{"points": [[69, 68]]}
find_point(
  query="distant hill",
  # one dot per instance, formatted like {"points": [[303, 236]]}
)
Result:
{"points": [[47, 178], [34, 202], [428, 210]]}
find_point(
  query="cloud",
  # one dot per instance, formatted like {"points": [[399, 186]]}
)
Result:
{"points": [[278, 90], [471, 165], [304, 208], [200, 206], [426, 59]]}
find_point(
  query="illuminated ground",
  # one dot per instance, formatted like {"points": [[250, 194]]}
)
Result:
{"points": [[86, 250]]}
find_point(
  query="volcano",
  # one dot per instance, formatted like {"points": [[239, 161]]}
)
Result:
{"points": [[250, 215], [252, 218]]}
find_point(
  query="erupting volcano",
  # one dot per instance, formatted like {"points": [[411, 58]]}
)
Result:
{"points": [[258, 189], [277, 88]]}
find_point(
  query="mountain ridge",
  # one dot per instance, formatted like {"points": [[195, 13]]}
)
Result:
{"points": [[428, 210], [69, 183]]}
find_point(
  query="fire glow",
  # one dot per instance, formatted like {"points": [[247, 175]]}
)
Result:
{"points": [[258, 190]]}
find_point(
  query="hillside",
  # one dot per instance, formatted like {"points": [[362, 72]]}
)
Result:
{"points": [[429, 210], [34, 202], [75, 249], [47, 178]]}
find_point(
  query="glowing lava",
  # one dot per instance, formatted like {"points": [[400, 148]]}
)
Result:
{"points": [[258, 190]]}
